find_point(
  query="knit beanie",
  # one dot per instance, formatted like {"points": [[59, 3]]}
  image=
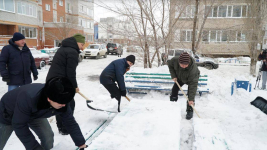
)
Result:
{"points": [[131, 58], [184, 58], [79, 38], [60, 90], [17, 36]]}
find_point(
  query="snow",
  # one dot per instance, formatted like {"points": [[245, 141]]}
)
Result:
{"points": [[243, 125]]}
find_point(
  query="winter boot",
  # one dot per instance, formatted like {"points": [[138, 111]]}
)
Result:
{"points": [[189, 115], [63, 131], [173, 99]]}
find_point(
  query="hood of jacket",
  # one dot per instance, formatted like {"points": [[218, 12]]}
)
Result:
{"points": [[71, 42], [12, 43]]}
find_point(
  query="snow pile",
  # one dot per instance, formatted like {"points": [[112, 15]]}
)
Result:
{"points": [[208, 135], [143, 125]]}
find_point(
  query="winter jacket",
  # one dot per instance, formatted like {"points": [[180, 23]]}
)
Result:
{"points": [[119, 51], [114, 72], [264, 64], [17, 65], [26, 103], [189, 75], [65, 61]]}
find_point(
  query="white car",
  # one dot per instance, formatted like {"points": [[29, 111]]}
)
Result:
{"points": [[96, 51]]}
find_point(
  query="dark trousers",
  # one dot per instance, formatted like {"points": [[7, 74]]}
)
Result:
{"points": [[40, 126], [114, 92], [175, 90], [59, 118]]}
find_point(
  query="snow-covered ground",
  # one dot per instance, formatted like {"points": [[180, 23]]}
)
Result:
{"points": [[243, 125]]}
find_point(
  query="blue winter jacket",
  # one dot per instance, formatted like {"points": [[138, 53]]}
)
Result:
{"points": [[114, 72], [17, 64], [26, 103]]}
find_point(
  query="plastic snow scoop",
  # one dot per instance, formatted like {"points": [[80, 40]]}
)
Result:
{"points": [[187, 98], [97, 109], [260, 103]]}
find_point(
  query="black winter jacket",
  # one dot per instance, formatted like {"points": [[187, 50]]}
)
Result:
{"points": [[26, 103], [17, 65], [114, 72], [263, 56], [65, 61]]}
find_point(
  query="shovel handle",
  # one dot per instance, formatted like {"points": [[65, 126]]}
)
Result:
{"points": [[186, 97], [127, 98], [83, 95]]}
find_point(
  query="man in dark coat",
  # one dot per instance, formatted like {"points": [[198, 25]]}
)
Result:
{"points": [[29, 106], [263, 58], [64, 64], [114, 73], [184, 70], [17, 63]]}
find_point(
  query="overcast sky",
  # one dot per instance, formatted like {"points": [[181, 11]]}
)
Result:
{"points": [[100, 12]]}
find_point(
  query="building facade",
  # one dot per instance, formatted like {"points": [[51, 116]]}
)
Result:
{"points": [[45, 23], [20, 16], [225, 30]]}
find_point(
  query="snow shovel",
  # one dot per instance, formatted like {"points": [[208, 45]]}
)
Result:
{"points": [[260, 103], [187, 98], [90, 101]]}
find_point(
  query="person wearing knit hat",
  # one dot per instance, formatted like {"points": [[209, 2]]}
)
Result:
{"points": [[29, 107], [80, 39], [184, 70], [64, 64], [114, 73], [17, 63]]}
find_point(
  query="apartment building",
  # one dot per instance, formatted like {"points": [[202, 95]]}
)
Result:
{"points": [[64, 18], [20, 16], [113, 30], [224, 32], [45, 23]]}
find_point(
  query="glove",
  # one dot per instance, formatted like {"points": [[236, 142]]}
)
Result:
{"points": [[83, 148], [6, 79], [35, 77], [123, 93]]}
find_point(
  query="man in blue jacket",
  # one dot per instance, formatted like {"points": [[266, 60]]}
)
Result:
{"points": [[17, 63], [29, 106], [114, 73]]}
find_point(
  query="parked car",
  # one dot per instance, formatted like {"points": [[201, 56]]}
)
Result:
{"points": [[49, 50], [41, 59], [201, 61], [52, 54], [112, 48], [95, 51]]}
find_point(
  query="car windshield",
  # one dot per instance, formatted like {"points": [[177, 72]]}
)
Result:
{"points": [[171, 52], [93, 46], [178, 53]]}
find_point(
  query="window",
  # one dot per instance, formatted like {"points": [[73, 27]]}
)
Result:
{"points": [[205, 35], [26, 9], [208, 11], [222, 11], [224, 36], [54, 15], [61, 19], [213, 36], [40, 16], [60, 3], [7, 5], [237, 11], [55, 4], [232, 35], [186, 36], [47, 7], [228, 11]]}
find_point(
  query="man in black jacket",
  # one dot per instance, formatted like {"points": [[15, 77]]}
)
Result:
{"points": [[263, 58], [29, 106], [114, 73], [64, 64], [17, 63]]}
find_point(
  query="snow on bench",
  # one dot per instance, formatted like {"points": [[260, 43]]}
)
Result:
{"points": [[142, 125], [137, 83]]}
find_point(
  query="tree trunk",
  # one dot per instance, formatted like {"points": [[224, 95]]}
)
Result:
{"points": [[194, 28]]}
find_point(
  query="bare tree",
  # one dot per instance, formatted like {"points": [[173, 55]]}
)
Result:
{"points": [[254, 24]]}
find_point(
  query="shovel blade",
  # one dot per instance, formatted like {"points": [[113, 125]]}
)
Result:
{"points": [[260, 103]]}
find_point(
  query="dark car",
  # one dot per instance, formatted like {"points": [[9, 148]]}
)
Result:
{"points": [[113, 48]]}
